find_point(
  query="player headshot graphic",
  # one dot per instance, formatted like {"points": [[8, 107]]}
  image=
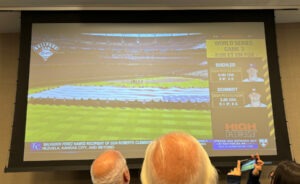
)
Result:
{"points": [[252, 74], [255, 99]]}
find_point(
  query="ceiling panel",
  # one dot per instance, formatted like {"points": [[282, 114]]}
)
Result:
{"points": [[287, 10], [145, 4]]}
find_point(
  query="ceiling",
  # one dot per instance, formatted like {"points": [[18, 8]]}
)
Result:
{"points": [[286, 11]]}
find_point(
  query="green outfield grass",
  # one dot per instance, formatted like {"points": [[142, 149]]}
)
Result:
{"points": [[81, 123]]}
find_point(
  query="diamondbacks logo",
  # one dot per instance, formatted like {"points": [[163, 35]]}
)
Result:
{"points": [[45, 49]]}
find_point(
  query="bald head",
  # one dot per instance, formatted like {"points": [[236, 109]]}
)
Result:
{"points": [[110, 168], [177, 158]]}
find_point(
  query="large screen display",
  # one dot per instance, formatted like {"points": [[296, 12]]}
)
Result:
{"points": [[92, 81], [94, 87]]}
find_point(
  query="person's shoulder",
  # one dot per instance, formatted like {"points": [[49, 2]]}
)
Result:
{"points": [[262, 105], [248, 105], [254, 80], [259, 79]]}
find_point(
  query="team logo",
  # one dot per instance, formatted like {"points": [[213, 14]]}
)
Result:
{"points": [[45, 49], [263, 142], [36, 146]]}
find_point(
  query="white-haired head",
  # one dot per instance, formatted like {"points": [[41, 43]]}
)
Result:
{"points": [[177, 158], [110, 168]]}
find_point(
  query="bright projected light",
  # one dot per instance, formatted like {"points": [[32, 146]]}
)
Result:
{"points": [[104, 86]]}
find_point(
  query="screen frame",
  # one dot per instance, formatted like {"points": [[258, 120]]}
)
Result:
{"points": [[16, 152]]}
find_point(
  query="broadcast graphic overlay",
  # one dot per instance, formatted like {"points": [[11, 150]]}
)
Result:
{"points": [[93, 88]]}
